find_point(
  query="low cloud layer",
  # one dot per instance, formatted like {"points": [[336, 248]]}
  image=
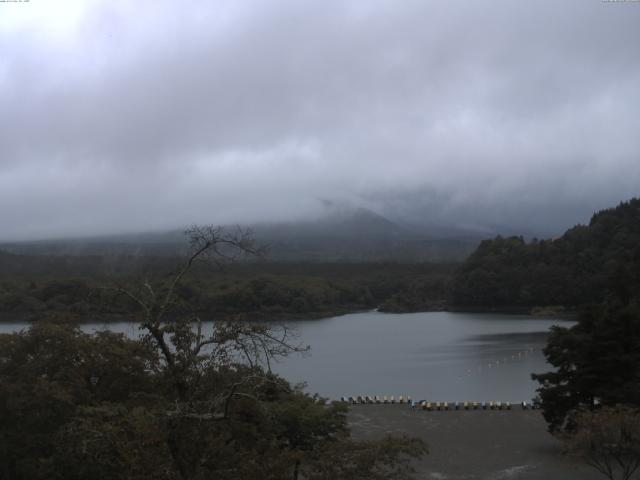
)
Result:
{"points": [[122, 116]]}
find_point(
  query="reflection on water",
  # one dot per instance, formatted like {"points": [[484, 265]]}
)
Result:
{"points": [[439, 356]]}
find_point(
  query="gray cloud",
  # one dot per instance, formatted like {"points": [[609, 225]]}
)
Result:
{"points": [[123, 116]]}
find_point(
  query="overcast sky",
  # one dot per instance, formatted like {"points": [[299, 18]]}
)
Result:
{"points": [[138, 115]]}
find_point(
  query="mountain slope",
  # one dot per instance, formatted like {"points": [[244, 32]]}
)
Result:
{"points": [[351, 235]]}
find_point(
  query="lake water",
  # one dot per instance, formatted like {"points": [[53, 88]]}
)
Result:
{"points": [[440, 356]]}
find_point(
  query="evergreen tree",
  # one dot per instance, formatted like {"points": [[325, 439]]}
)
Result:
{"points": [[597, 362]]}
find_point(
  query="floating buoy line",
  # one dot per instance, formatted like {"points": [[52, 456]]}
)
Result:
{"points": [[498, 363]]}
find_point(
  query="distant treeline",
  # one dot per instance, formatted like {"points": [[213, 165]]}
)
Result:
{"points": [[39, 286], [584, 266]]}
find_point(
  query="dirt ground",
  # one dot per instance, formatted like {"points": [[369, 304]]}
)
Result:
{"points": [[474, 445]]}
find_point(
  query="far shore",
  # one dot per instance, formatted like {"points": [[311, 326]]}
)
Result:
{"points": [[83, 319], [107, 318]]}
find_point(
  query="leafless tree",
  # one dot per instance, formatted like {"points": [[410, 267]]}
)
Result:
{"points": [[186, 350], [609, 441]]}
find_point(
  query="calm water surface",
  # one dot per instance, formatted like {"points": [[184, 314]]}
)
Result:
{"points": [[440, 356]]}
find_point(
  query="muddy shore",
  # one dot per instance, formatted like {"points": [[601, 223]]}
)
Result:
{"points": [[475, 445]]}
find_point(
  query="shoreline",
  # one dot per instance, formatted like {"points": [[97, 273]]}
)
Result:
{"points": [[108, 318]]}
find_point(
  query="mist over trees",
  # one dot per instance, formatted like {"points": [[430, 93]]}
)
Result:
{"points": [[206, 402], [374, 146]]}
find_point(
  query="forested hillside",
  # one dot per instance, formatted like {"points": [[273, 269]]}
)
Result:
{"points": [[34, 287], [583, 266]]}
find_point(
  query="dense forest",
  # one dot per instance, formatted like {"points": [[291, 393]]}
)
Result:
{"points": [[583, 266], [34, 286]]}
